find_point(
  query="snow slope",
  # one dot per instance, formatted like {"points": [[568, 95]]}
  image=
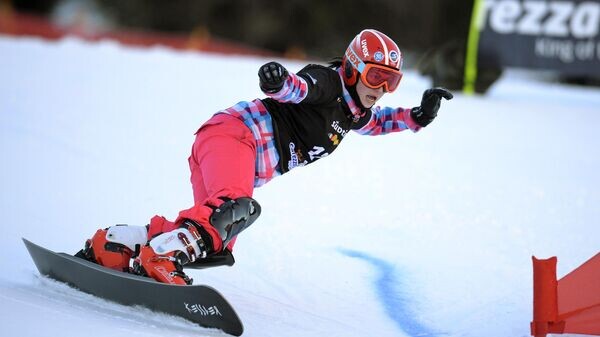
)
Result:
{"points": [[426, 234]]}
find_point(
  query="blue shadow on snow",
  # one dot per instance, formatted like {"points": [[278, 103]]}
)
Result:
{"points": [[390, 293]]}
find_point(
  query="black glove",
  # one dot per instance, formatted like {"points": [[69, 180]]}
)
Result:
{"points": [[430, 104], [272, 77]]}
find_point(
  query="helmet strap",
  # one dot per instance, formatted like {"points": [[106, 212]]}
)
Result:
{"points": [[354, 94]]}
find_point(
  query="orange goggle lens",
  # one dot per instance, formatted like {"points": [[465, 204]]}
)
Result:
{"points": [[375, 76]]}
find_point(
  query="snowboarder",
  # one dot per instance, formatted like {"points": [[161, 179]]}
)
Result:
{"points": [[304, 118]]}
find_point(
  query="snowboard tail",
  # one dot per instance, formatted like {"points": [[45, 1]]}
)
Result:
{"points": [[200, 304]]}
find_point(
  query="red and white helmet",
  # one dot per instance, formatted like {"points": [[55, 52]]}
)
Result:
{"points": [[375, 58]]}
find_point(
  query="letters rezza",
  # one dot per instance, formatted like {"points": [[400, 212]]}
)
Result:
{"points": [[543, 18]]}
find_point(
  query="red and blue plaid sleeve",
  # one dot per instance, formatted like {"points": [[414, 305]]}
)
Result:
{"points": [[294, 90], [386, 120]]}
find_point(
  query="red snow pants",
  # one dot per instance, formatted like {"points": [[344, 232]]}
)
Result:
{"points": [[222, 164]]}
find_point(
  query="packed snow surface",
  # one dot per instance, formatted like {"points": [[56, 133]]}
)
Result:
{"points": [[409, 234]]}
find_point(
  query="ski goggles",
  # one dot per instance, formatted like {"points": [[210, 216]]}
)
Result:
{"points": [[375, 75]]}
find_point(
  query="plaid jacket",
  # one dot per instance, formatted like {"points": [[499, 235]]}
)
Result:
{"points": [[305, 96]]}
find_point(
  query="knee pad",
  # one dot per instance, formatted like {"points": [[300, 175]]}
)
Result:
{"points": [[233, 216]]}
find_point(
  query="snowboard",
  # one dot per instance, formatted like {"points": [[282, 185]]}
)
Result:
{"points": [[200, 304]]}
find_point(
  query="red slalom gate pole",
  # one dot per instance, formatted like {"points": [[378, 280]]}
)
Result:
{"points": [[545, 298]]}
